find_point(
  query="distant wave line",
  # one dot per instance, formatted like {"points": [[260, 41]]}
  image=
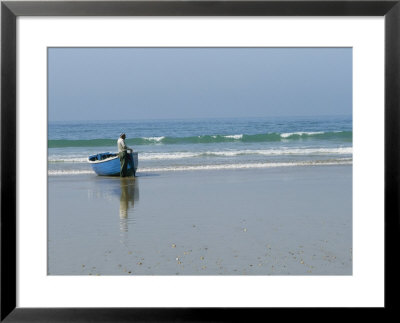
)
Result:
{"points": [[266, 137]]}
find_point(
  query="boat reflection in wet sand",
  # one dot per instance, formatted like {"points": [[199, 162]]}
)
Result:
{"points": [[108, 164], [129, 194]]}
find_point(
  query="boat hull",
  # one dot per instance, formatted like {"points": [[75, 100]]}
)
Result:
{"points": [[108, 164]]}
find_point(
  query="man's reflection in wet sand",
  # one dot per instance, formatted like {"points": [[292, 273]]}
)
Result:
{"points": [[129, 194]]}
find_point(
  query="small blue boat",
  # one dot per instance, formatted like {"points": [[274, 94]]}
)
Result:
{"points": [[108, 164]]}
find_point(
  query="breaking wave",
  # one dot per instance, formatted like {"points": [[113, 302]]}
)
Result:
{"points": [[221, 154], [267, 137]]}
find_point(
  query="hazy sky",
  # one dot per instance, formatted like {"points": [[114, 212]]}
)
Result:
{"points": [[159, 83]]}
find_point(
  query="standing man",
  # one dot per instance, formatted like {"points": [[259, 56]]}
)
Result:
{"points": [[124, 156]]}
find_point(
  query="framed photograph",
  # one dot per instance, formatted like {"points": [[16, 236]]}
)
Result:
{"points": [[161, 158]]}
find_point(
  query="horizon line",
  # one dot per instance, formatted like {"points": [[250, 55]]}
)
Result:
{"points": [[202, 118]]}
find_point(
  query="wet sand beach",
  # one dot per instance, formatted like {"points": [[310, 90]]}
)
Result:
{"points": [[277, 221]]}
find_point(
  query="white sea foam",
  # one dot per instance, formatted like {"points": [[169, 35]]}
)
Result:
{"points": [[227, 153], [282, 152], [156, 139], [344, 161], [300, 133], [234, 136], [340, 161], [63, 159], [69, 172], [167, 156], [234, 153]]}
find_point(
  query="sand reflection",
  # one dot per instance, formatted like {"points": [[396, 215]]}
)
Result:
{"points": [[129, 194]]}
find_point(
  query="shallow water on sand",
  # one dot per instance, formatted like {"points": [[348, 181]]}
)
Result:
{"points": [[281, 221]]}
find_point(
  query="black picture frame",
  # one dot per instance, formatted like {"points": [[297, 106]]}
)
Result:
{"points": [[10, 10]]}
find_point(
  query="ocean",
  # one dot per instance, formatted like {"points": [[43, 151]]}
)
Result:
{"points": [[204, 144]]}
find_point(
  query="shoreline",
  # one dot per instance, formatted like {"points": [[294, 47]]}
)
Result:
{"points": [[216, 167]]}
